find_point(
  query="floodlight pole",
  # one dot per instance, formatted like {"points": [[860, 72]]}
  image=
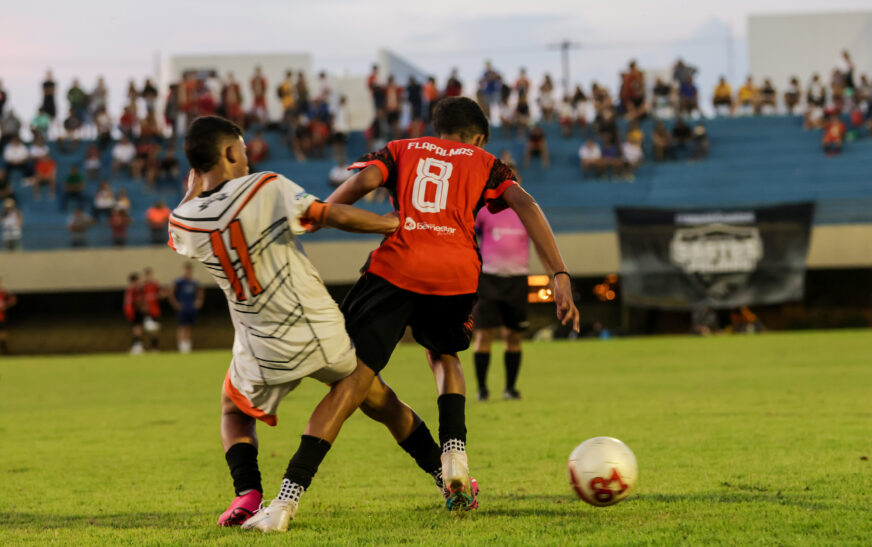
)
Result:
{"points": [[564, 48]]}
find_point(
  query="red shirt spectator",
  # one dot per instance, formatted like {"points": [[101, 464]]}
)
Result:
{"points": [[453, 88], [258, 148], [206, 103], [258, 88], [834, 131]]}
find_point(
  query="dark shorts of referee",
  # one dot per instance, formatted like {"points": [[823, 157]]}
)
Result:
{"points": [[377, 313], [502, 302]]}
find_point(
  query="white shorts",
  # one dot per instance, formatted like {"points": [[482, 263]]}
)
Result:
{"points": [[261, 401]]}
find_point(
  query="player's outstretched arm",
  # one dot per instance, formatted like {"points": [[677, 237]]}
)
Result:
{"points": [[539, 230], [357, 185], [352, 219]]}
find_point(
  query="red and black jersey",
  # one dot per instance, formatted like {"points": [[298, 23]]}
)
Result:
{"points": [[437, 187], [132, 301], [151, 298]]}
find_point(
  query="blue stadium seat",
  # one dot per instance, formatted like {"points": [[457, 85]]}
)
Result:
{"points": [[755, 160]]}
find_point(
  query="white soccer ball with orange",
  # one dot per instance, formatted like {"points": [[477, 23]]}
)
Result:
{"points": [[602, 471]]}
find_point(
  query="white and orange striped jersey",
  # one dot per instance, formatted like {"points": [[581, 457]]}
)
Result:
{"points": [[244, 232]]}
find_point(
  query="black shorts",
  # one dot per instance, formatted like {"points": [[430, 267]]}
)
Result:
{"points": [[138, 318], [377, 313], [502, 302]]}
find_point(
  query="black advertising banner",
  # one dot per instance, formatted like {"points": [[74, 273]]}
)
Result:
{"points": [[721, 258]]}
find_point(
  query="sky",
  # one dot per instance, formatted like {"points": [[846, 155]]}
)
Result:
{"points": [[123, 39]]}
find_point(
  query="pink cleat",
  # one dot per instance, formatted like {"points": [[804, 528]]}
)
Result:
{"points": [[462, 500], [242, 508]]}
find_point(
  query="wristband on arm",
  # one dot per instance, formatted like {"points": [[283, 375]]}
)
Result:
{"points": [[564, 272]]}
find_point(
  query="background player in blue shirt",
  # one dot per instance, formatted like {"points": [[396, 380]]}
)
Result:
{"points": [[186, 298]]}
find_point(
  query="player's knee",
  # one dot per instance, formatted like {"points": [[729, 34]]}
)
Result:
{"points": [[482, 340], [513, 340]]}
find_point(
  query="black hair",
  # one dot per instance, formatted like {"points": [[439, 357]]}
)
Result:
{"points": [[133, 277], [204, 140], [460, 116]]}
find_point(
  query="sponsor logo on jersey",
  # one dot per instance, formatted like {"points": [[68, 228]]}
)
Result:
{"points": [[411, 224], [206, 202], [498, 233]]}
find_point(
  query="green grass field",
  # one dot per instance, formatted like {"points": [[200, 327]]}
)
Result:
{"points": [[740, 440]]}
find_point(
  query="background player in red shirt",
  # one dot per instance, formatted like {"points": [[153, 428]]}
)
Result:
{"points": [[133, 311], [152, 292], [425, 274], [7, 300]]}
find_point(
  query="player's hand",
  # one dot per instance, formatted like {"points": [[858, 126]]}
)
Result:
{"points": [[394, 216], [566, 311]]}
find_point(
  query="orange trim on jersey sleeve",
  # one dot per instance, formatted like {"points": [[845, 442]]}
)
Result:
{"points": [[317, 212], [245, 405], [495, 193], [181, 226], [260, 184], [378, 163]]}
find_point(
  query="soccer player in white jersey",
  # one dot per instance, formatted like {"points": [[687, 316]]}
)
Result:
{"points": [[242, 227]]}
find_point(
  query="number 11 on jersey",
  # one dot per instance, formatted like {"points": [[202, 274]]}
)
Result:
{"points": [[238, 243]]}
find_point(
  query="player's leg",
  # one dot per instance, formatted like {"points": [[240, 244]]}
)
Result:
{"points": [[239, 439], [443, 325], [410, 432], [136, 333], [512, 361], [486, 318], [376, 314], [451, 386], [482, 340], [4, 340], [344, 397], [513, 312], [152, 326]]}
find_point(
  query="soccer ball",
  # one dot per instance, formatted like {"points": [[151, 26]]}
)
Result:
{"points": [[602, 471]]}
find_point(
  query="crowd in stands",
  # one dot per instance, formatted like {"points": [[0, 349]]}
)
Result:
{"points": [[614, 133]]}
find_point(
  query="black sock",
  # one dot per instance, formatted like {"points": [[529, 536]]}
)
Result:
{"points": [[513, 365], [452, 417], [137, 339], [154, 342], [242, 461], [305, 462], [3, 347], [482, 362], [424, 450]]}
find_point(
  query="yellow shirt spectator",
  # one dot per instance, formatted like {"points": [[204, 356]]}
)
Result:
{"points": [[723, 91], [747, 94]]}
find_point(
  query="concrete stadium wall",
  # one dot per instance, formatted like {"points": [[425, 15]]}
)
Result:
{"points": [[586, 254]]}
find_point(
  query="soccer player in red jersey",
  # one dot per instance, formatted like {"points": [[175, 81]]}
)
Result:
{"points": [[133, 305], [7, 300], [425, 275], [152, 293]]}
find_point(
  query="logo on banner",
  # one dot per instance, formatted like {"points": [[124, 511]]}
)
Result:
{"points": [[719, 257]]}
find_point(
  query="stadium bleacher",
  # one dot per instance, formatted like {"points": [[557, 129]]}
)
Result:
{"points": [[755, 160]]}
